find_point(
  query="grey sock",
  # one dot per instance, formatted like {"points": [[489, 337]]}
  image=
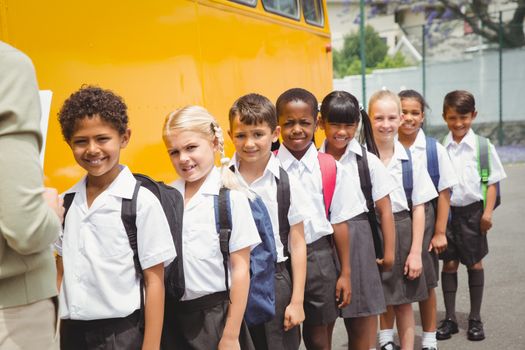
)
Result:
{"points": [[476, 281], [449, 285]]}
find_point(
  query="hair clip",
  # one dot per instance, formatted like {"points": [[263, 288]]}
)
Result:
{"points": [[225, 161], [361, 108]]}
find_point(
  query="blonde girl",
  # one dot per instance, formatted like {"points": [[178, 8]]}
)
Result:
{"points": [[405, 284], [210, 313]]}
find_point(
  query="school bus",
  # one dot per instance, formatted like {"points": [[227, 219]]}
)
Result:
{"points": [[161, 55]]}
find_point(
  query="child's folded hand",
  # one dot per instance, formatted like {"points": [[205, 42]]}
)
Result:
{"points": [[293, 316], [438, 243], [485, 224], [413, 266], [343, 291]]}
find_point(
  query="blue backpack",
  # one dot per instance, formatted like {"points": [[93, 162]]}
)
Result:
{"points": [[261, 298], [408, 178], [432, 161]]}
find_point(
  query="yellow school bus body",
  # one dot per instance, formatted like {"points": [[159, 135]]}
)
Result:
{"points": [[159, 56]]}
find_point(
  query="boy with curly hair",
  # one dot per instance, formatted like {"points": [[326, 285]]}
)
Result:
{"points": [[101, 294]]}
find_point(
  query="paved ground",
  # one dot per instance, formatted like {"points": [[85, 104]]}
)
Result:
{"points": [[503, 310]]}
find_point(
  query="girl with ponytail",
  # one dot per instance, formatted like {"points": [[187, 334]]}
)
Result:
{"points": [[340, 117], [210, 313]]}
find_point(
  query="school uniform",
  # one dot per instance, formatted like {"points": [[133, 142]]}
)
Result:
{"points": [[367, 292], [397, 287], [272, 333], [100, 294], [447, 179], [198, 320], [465, 241], [320, 305]]}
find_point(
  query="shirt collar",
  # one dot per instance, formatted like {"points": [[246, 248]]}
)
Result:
{"points": [[399, 151], [353, 146], [309, 159], [420, 141], [469, 139], [123, 186], [211, 185], [272, 166]]}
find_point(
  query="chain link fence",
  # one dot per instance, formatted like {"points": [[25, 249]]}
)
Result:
{"points": [[453, 56]]}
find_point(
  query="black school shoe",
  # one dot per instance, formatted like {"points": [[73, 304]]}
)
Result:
{"points": [[390, 346], [446, 329], [475, 330]]}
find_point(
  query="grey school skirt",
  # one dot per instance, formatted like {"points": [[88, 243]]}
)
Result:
{"points": [[320, 306], [367, 292], [397, 287], [430, 259], [271, 335]]}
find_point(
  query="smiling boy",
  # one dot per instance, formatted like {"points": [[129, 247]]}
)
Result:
{"points": [[253, 128]]}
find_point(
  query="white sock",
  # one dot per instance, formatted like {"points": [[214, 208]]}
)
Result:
{"points": [[385, 336], [429, 340]]}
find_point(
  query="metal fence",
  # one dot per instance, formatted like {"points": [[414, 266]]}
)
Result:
{"points": [[453, 57]]}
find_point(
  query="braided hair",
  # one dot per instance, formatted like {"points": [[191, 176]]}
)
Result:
{"points": [[198, 119]]}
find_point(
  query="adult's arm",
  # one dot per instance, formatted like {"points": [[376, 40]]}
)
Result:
{"points": [[27, 223]]}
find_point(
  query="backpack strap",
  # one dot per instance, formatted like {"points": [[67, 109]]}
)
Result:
{"points": [[283, 205], [408, 178], [432, 161], [129, 219], [366, 187], [223, 222], [68, 200], [483, 165], [328, 175]]}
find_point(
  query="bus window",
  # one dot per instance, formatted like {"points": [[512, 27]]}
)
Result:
{"points": [[313, 12], [287, 8], [250, 3]]}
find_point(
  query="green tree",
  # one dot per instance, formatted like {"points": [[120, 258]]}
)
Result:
{"points": [[375, 47], [347, 60]]}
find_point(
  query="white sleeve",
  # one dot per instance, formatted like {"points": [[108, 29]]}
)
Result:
{"points": [[244, 231], [382, 182], [497, 173], [300, 206], [346, 202], [154, 241], [447, 174], [424, 190]]}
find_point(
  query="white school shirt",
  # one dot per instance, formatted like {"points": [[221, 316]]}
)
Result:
{"points": [[345, 203], [382, 183], [447, 174], [266, 188], [465, 163], [203, 263], [99, 274], [423, 190]]}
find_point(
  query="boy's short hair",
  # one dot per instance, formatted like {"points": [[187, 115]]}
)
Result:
{"points": [[461, 100], [253, 109], [297, 94], [89, 101]]}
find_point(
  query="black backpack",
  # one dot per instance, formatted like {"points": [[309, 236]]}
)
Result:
{"points": [[366, 187], [173, 206]]}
